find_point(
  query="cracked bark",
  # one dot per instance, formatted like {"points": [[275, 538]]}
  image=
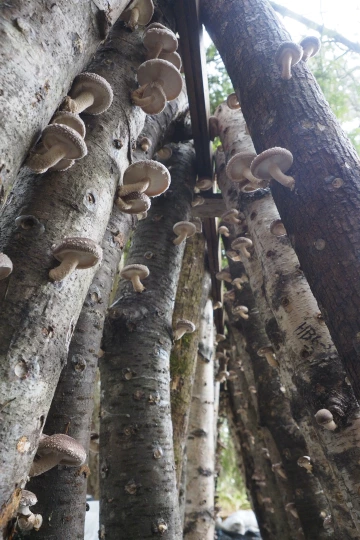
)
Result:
{"points": [[321, 214], [136, 447], [190, 301], [311, 363], [43, 47], [38, 318], [200, 483]]}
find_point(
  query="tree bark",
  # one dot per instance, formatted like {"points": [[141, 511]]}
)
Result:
{"points": [[139, 497], [265, 493], [189, 303], [200, 483], [38, 317], [43, 47], [321, 214], [311, 364]]}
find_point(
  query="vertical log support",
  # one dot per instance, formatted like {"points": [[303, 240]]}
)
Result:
{"points": [[200, 483], [139, 496]]}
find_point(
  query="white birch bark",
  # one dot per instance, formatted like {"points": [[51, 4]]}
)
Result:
{"points": [[200, 487]]}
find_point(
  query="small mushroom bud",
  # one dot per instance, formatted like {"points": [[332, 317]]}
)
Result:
{"points": [[224, 231], [305, 463], [135, 272], [290, 507], [224, 275], [145, 144], [183, 230], [217, 305], [277, 228], [242, 311], [183, 326], [232, 101], [325, 419], [231, 216], [220, 337], [241, 244], [268, 353]]}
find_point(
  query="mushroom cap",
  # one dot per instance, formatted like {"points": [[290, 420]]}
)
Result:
{"points": [[233, 102], [157, 173], [264, 350], [241, 241], [314, 45], [146, 11], [185, 324], [303, 461], [279, 156], [159, 99], [163, 72], [204, 184], [88, 252], [184, 226], [63, 165], [155, 25], [228, 216], [238, 163], [139, 202], [163, 35], [172, 57], [71, 120], [324, 416], [67, 137], [71, 452], [6, 266], [98, 86], [132, 270], [28, 498], [289, 46]]}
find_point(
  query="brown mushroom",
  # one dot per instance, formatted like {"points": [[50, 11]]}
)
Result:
{"points": [[273, 163], [172, 57], [277, 228], [241, 244], [134, 273], [89, 92], [60, 142], [268, 353], [183, 230], [159, 40], [287, 55], [233, 102], [146, 171], [238, 169], [203, 184], [305, 463], [224, 275], [231, 216], [311, 45], [224, 231], [74, 254], [58, 449], [133, 203], [198, 201], [71, 120], [325, 419], [6, 266], [183, 326], [138, 12], [242, 311]]}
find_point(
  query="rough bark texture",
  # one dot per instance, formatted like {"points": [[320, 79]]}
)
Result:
{"points": [[139, 496], [311, 361], [43, 47], [38, 317], [265, 492], [200, 482], [189, 303], [321, 214]]}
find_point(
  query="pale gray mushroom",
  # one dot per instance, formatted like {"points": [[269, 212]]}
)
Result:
{"points": [[26, 520], [305, 463], [163, 74], [172, 57], [231, 216], [287, 55], [277, 228], [74, 253], [145, 144], [311, 45], [150, 98], [71, 120], [203, 184], [159, 40], [90, 93], [28, 498], [198, 201], [325, 419], [58, 449], [183, 230], [6, 266], [233, 102], [237, 282], [268, 353], [242, 311], [238, 169], [233, 255], [138, 12], [224, 231], [27, 523], [61, 142], [133, 203], [141, 172], [241, 244], [183, 326], [135, 273], [224, 275], [217, 305], [273, 163]]}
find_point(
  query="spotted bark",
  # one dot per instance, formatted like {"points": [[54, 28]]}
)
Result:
{"points": [[139, 497], [38, 317]]}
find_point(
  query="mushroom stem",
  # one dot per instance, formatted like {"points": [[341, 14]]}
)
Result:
{"points": [[140, 187], [179, 332], [134, 17], [182, 236], [42, 162], [67, 267], [244, 252], [122, 205], [140, 101], [283, 179], [286, 66], [155, 51], [271, 359], [138, 286], [45, 463], [81, 102], [249, 176]]}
